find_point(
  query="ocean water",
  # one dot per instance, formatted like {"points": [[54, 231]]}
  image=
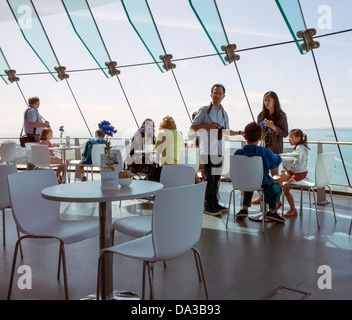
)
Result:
{"points": [[321, 134], [327, 134]]}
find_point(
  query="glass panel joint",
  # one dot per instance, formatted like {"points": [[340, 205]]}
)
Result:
{"points": [[230, 52], [168, 65], [11, 74], [307, 36], [112, 68]]}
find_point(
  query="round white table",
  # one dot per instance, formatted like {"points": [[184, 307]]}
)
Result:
{"points": [[90, 191]]}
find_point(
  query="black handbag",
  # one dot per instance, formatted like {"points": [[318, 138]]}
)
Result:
{"points": [[27, 138]]}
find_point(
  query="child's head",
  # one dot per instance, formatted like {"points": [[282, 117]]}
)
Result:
{"points": [[99, 133], [46, 134], [253, 132], [296, 137]]}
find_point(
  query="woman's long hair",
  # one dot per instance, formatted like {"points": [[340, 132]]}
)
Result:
{"points": [[277, 108]]}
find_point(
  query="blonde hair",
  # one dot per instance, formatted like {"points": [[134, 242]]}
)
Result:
{"points": [[168, 122]]}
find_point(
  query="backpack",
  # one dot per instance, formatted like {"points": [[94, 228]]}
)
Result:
{"points": [[272, 192]]}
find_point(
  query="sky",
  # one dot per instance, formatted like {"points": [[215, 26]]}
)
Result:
{"points": [[154, 94]]}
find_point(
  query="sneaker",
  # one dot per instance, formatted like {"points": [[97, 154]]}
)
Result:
{"points": [[256, 200], [275, 217], [291, 213], [243, 213], [222, 208], [211, 211]]}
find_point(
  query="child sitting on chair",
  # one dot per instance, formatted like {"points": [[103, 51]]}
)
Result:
{"points": [[297, 169], [87, 152], [252, 134], [45, 137]]}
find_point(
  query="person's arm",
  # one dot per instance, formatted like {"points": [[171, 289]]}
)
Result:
{"points": [[38, 124], [281, 129], [207, 126], [236, 133]]}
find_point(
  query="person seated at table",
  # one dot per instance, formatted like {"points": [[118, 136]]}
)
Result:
{"points": [[252, 134], [168, 144], [45, 137], [143, 140], [87, 152], [297, 169]]}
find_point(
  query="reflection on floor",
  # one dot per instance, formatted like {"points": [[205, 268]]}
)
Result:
{"points": [[289, 261]]}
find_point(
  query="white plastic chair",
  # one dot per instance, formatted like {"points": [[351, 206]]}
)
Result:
{"points": [[5, 203], [97, 150], [190, 157], [323, 172], [226, 163], [8, 152], [28, 147], [246, 175], [171, 176], [37, 217], [176, 228]]}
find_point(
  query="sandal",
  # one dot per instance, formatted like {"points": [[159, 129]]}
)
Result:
{"points": [[291, 213]]}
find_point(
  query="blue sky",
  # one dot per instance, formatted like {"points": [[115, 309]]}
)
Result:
{"points": [[154, 94]]}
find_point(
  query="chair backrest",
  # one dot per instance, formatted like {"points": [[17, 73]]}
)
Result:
{"points": [[5, 170], [30, 210], [190, 157], [41, 155], [177, 220], [323, 168], [246, 172], [8, 152], [97, 150], [226, 162], [176, 175], [28, 147]]}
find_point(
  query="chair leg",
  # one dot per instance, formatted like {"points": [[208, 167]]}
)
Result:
{"points": [[18, 236], [3, 228], [316, 208], [13, 266], [62, 246], [301, 203], [198, 258], [150, 278], [228, 213], [332, 202], [263, 209]]}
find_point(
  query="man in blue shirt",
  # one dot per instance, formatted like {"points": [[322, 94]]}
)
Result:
{"points": [[211, 124], [33, 121]]}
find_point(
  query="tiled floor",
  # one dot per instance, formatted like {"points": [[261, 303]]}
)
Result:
{"points": [[239, 263]]}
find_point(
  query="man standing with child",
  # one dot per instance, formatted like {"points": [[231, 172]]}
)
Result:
{"points": [[212, 125]]}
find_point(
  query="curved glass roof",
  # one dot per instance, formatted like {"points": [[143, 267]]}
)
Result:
{"points": [[263, 31]]}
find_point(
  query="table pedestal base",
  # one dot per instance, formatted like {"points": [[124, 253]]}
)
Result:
{"points": [[117, 295], [259, 218]]}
